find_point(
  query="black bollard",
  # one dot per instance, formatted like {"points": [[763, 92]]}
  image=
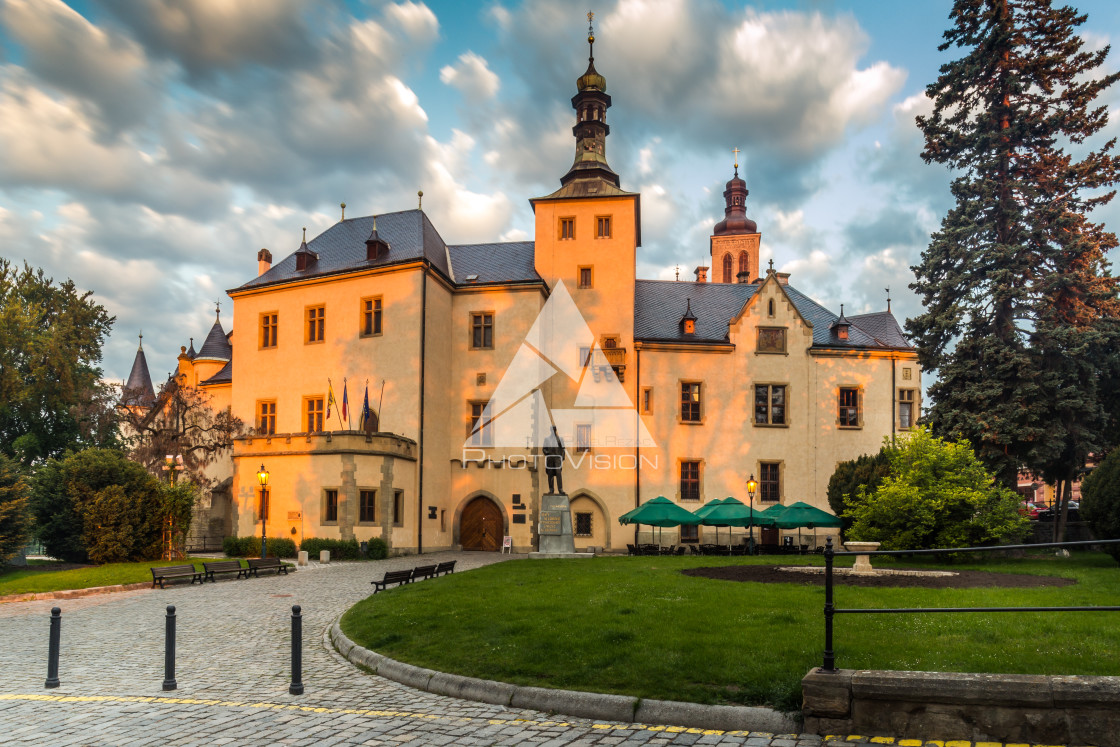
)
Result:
{"points": [[296, 688], [829, 663], [169, 651], [52, 648]]}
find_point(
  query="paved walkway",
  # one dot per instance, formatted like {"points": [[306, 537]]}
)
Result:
{"points": [[233, 675]]}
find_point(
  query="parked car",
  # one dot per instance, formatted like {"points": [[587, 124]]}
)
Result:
{"points": [[1032, 510]]}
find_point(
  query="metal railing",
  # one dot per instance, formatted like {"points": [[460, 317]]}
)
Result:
{"points": [[830, 610]]}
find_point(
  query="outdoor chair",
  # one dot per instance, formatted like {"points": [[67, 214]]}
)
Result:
{"points": [[681, 549]]}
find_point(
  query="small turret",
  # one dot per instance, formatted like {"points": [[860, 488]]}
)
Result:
{"points": [[138, 390]]}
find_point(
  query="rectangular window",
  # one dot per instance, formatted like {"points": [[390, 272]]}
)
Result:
{"points": [[585, 277], [266, 418], [482, 331], [371, 316], [690, 534], [690, 402], [905, 409], [849, 407], [690, 481], [583, 437], [771, 340], [603, 227], [770, 404], [367, 506], [584, 357], [330, 505], [313, 406], [567, 228], [480, 431], [647, 400], [316, 323], [268, 329], [583, 525], [770, 484], [398, 508]]}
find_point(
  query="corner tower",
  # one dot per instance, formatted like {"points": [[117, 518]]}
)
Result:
{"points": [[735, 239]]}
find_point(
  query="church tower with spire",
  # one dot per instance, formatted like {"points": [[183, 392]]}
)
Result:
{"points": [[588, 231], [735, 239]]}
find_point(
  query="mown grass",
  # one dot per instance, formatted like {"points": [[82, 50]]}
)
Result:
{"points": [[37, 579], [638, 626]]}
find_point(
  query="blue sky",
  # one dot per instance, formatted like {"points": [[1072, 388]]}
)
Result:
{"points": [[151, 147]]}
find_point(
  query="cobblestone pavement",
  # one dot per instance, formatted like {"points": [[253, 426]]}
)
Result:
{"points": [[233, 674]]}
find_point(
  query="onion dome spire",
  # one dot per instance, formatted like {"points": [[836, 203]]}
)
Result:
{"points": [[735, 209], [591, 103]]}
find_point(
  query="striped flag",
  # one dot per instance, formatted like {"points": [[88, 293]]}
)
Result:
{"points": [[345, 403], [330, 398]]}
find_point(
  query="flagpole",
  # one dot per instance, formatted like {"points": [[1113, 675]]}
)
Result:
{"points": [[380, 401], [346, 405], [330, 390]]}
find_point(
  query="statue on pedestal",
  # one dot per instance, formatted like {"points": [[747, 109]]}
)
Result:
{"points": [[554, 462]]}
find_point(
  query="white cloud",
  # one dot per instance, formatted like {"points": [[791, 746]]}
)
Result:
{"points": [[471, 76], [416, 19]]}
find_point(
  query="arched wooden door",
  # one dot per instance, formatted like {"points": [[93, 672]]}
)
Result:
{"points": [[481, 526]]}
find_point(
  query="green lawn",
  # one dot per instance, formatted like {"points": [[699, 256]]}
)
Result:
{"points": [[40, 578], [638, 626]]}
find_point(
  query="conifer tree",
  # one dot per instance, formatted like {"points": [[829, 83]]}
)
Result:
{"points": [[1017, 290]]}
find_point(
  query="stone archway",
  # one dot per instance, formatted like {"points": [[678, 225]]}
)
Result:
{"points": [[584, 501], [481, 525]]}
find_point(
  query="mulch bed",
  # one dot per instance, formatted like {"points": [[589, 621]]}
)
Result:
{"points": [[769, 574]]}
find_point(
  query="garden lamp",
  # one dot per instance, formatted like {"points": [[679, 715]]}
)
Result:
{"points": [[262, 478], [752, 486]]}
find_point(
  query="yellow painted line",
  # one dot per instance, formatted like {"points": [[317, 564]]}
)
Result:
{"points": [[882, 740], [910, 743], [958, 743], [988, 744]]}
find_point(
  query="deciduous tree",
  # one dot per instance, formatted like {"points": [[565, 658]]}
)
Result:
{"points": [[15, 518]]}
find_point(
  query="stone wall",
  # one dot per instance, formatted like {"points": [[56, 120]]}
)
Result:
{"points": [[1017, 708]]}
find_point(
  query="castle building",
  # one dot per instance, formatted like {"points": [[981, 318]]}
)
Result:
{"points": [[469, 354]]}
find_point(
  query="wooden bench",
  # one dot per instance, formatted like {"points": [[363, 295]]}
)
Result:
{"points": [[225, 566], [448, 566], [423, 571], [256, 565], [167, 572], [392, 577]]}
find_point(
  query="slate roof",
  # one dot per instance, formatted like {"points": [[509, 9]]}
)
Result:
{"points": [[660, 304], [138, 390], [224, 376], [216, 345], [342, 247], [510, 262], [883, 327]]}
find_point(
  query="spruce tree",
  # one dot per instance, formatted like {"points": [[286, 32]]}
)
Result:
{"points": [[1016, 286]]}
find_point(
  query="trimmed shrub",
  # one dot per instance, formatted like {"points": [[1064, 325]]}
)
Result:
{"points": [[377, 549], [250, 547], [339, 549]]}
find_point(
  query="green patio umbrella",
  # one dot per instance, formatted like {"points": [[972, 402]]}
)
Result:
{"points": [[731, 512], [801, 514], [659, 512]]}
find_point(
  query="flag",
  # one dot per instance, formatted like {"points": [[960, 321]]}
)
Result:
{"points": [[330, 398], [345, 404], [365, 408]]}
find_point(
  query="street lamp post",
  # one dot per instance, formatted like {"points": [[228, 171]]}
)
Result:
{"points": [[172, 464], [262, 477], [752, 486]]}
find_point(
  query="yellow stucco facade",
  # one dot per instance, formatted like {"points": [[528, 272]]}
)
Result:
{"points": [[719, 380]]}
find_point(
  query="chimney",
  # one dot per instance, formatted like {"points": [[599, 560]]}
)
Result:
{"points": [[743, 277], [264, 261], [783, 277], [701, 274]]}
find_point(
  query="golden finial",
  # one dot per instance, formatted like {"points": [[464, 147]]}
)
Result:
{"points": [[343, 206], [420, 198], [678, 272], [141, 339], [736, 152], [305, 234], [591, 35]]}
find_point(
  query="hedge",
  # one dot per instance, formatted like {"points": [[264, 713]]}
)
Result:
{"points": [[250, 547], [376, 549]]}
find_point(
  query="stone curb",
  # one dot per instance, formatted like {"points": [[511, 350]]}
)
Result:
{"points": [[597, 706], [72, 593]]}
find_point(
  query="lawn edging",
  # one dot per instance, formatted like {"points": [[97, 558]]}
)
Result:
{"points": [[599, 706], [31, 596]]}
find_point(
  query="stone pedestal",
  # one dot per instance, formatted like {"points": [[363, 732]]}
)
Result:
{"points": [[325, 556], [302, 558], [554, 527], [862, 565]]}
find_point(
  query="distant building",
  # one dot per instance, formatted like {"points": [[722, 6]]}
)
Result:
{"points": [[471, 352]]}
